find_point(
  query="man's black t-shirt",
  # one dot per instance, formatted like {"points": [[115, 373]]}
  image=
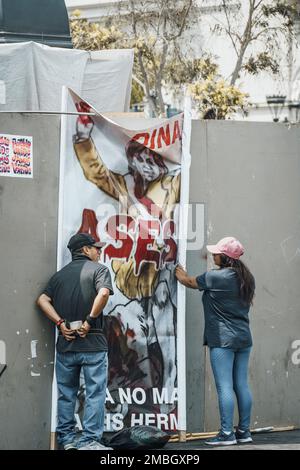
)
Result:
{"points": [[73, 290]]}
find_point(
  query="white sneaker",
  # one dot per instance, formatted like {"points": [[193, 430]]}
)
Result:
{"points": [[94, 445], [70, 446]]}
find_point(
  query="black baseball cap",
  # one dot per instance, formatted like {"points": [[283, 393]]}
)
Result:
{"points": [[83, 239]]}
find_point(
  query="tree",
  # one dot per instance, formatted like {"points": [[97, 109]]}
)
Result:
{"points": [[92, 36], [263, 23], [212, 96], [157, 29], [163, 58], [216, 99]]}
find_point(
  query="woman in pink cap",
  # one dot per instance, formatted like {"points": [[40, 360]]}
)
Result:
{"points": [[227, 296]]}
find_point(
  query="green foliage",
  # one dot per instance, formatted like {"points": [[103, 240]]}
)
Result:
{"points": [[137, 94], [184, 71], [216, 99], [262, 62], [286, 9], [91, 36]]}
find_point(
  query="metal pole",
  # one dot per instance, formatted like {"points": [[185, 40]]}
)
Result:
{"points": [[51, 112], [181, 290]]}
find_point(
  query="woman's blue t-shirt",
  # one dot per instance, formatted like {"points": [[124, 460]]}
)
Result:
{"points": [[226, 315]]}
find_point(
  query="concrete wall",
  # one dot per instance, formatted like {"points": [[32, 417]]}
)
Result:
{"points": [[248, 176], [28, 227]]}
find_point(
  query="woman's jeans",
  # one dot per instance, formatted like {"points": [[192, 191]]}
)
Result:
{"points": [[230, 368], [68, 367]]}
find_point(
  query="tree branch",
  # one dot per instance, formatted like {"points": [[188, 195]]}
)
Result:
{"points": [[255, 7], [183, 22], [229, 32], [244, 44], [254, 38]]}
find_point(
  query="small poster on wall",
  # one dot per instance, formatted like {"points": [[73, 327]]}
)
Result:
{"points": [[16, 156]]}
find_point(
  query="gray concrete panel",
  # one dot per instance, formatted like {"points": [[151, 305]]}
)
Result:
{"points": [[247, 175], [251, 187], [28, 227]]}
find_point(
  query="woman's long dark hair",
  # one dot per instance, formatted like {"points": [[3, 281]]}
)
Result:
{"points": [[246, 279]]}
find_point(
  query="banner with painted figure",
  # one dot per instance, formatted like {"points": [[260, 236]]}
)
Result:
{"points": [[123, 187]]}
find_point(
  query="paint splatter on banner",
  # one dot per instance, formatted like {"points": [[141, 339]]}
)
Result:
{"points": [[16, 156]]}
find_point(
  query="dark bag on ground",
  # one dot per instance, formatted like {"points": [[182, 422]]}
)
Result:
{"points": [[138, 437]]}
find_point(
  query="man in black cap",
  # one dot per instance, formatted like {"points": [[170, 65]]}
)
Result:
{"points": [[78, 293]]}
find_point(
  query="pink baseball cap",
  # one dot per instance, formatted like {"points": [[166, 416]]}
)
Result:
{"points": [[228, 246]]}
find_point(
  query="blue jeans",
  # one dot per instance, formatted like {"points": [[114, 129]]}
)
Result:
{"points": [[230, 369], [68, 366]]}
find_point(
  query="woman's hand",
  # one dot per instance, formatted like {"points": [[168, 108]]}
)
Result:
{"points": [[180, 272], [184, 278]]}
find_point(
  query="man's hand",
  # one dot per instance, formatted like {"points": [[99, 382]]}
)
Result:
{"points": [[67, 333], [83, 331]]}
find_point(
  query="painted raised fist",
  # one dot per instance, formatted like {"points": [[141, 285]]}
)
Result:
{"points": [[84, 124]]}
